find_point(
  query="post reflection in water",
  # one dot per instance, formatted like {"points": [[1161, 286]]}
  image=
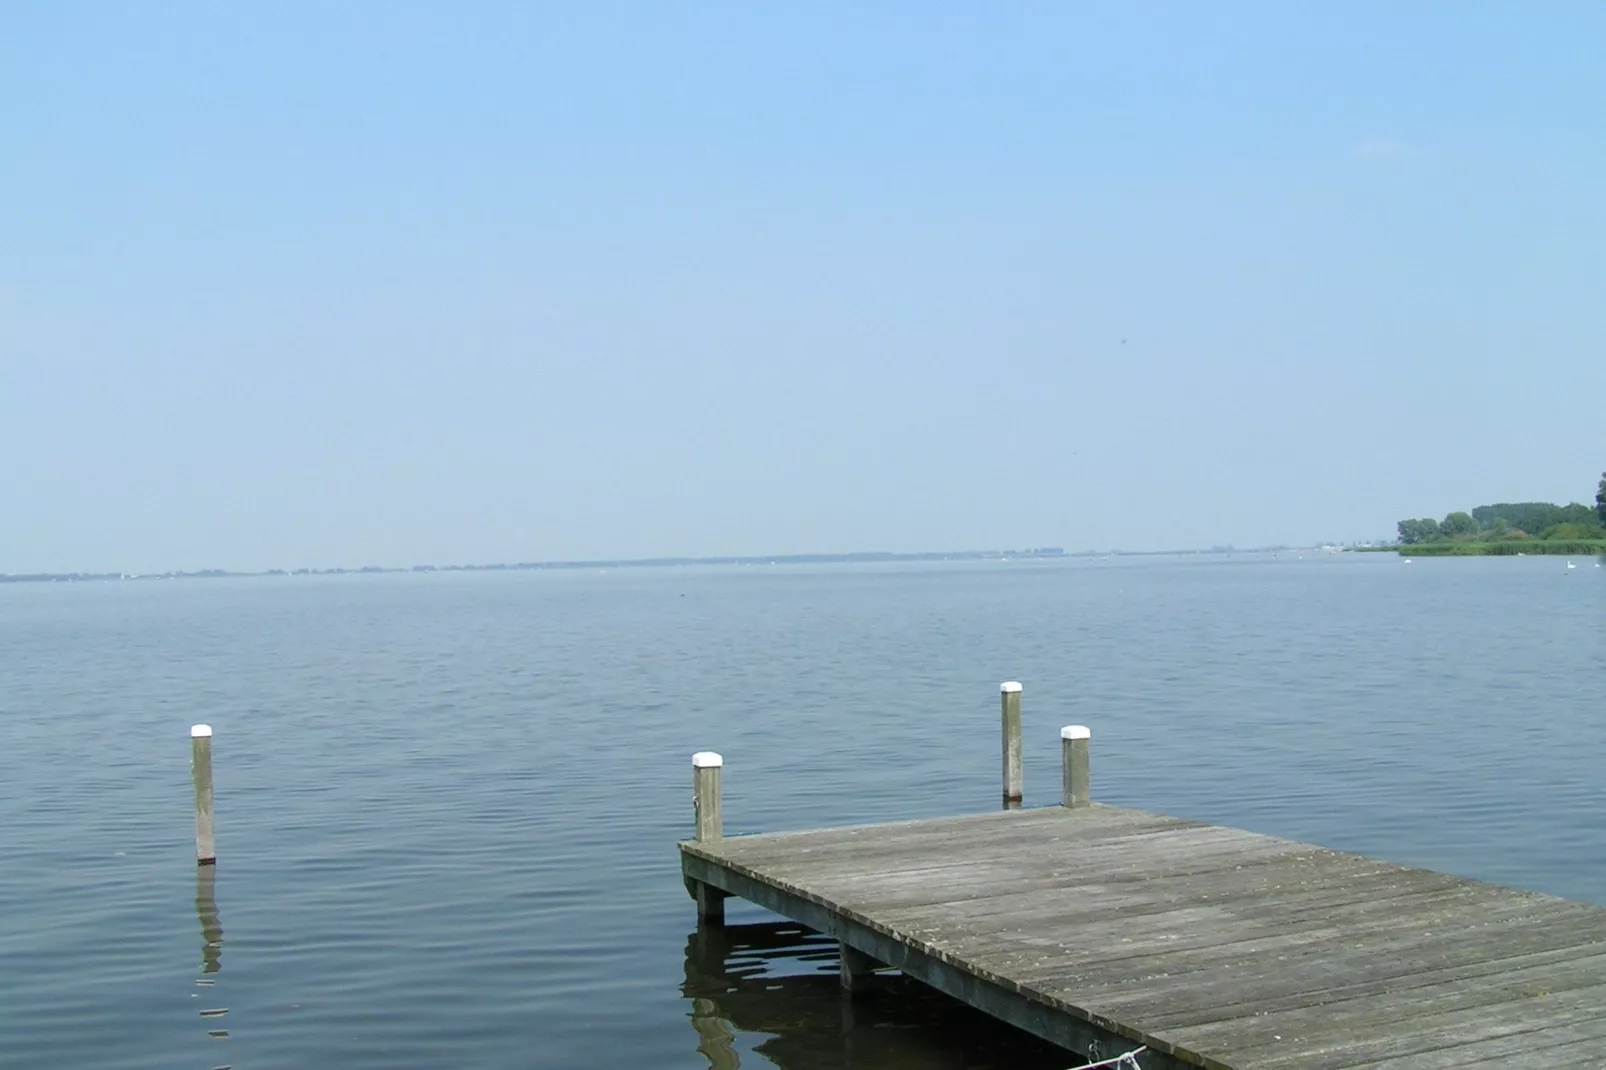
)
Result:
{"points": [[771, 989], [211, 950], [211, 924]]}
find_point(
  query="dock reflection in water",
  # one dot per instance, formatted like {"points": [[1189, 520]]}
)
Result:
{"points": [[778, 980]]}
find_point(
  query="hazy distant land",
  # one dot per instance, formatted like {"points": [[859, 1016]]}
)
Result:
{"points": [[866, 557]]}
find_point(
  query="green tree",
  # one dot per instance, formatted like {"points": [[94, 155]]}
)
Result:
{"points": [[1417, 531], [1600, 500], [1529, 516], [1577, 514], [1458, 526]]}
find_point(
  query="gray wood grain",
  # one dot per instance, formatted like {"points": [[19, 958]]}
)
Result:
{"points": [[1009, 718], [708, 806], [201, 773], [1222, 948]]}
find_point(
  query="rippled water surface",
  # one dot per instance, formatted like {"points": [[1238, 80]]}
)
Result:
{"points": [[447, 803]]}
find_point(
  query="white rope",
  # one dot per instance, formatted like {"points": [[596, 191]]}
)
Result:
{"points": [[1129, 1061]]}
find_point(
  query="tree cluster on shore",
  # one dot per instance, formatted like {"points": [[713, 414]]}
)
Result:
{"points": [[1513, 522]]}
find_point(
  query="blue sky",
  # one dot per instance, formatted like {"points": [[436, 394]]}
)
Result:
{"points": [[396, 283]]}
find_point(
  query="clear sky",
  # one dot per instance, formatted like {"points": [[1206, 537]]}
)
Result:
{"points": [[334, 284]]}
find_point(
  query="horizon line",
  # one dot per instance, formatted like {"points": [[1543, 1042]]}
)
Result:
{"points": [[851, 557]]}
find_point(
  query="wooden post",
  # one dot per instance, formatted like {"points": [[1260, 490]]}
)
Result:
{"points": [[855, 968], [706, 767], [1075, 767], [708, 808], [1009, 700], [201, 768]]}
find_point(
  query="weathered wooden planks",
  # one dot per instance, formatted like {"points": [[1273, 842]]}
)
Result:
{"points": [[1098, 926]]}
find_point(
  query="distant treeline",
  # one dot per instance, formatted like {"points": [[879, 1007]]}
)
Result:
{"points": [[1514, 548], [84, 577], [1513, 522], [872, 556]]}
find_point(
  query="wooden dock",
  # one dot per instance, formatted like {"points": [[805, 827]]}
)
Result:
{"points": [[1107, 930]]}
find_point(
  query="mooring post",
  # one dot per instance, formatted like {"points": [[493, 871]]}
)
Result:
{"points": [[201, 769], [706, 768], [1009, 701], [1075, 767]]}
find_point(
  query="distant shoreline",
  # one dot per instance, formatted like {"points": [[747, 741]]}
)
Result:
{"points": [[868, 557], [1513, 548]]}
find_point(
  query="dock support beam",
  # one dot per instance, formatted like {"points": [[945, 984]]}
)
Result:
{"points": [[1009, 703], [201, 771], [1075, 765], [856, 968], [709, 813], [710, 904]]}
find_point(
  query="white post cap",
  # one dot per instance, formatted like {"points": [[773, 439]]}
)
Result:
{"points": [[200, 731], [1009, 687], [707, 759], [1075, 731]]}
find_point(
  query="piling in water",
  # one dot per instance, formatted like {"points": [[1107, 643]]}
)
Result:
{"points": [[1009, 704], [854, 969], [201, 769]]}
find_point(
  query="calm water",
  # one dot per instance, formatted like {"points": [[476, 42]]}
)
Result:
{"points": [[447, 803]]}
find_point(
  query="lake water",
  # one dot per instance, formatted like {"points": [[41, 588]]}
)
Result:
{"points": [[447, 803]]}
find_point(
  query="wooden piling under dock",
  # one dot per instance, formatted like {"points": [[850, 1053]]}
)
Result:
{"points": [[1107, 930]]}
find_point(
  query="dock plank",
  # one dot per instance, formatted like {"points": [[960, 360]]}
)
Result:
{"points": [[1471, 1032], [916, 843], [1313, 975], [1217, 947], [1177, 1000]]}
